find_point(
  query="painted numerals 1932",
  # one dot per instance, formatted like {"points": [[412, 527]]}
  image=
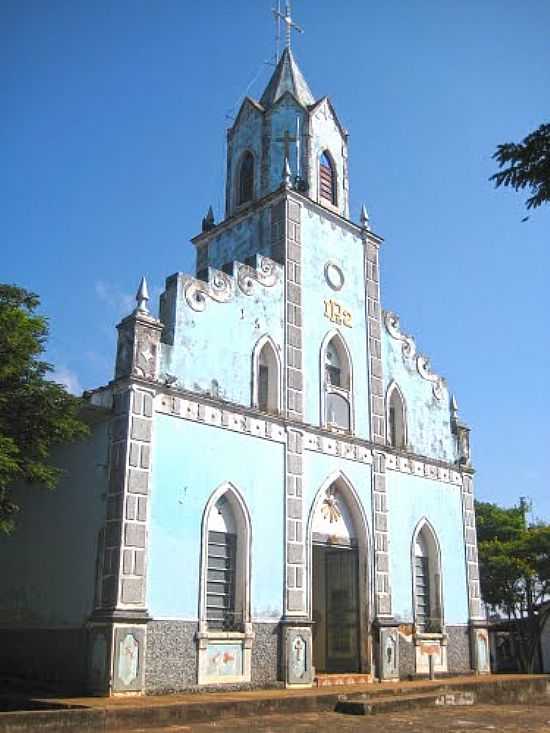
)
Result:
{"points": [[337, 313]]}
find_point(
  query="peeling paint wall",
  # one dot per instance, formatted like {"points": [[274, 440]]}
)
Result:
{"points": [[410, 499], [246, 135], [327, 242], [246, 238], [211, 350], [49, 580], [428, 418], [187, 470], [262, 134], [285, 115]]}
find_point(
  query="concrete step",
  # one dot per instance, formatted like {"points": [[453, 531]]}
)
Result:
{"points": [[95, 714], [334, 680], [386, 704]]}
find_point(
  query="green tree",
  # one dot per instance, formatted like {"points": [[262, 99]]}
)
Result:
{"points": [[36, 414], [526, 164], [514, 565]]}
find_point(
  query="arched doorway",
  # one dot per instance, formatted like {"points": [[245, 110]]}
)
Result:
{"points": [[339, 596]]}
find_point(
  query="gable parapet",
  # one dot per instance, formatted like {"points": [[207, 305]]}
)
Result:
{"points": [[412, 356]]}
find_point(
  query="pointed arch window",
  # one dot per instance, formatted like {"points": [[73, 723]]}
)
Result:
{"points": [[266, 376], [226, 550], [427, 580], [327, 178], [336, 383], [396, 417], [246, 178]]}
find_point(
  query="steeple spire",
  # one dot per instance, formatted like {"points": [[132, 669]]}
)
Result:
{"points": [[287, 77]]}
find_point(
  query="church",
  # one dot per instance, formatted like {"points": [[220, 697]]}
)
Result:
{"points": [[277, 489]]}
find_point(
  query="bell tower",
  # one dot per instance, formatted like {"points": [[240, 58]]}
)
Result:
{"points": [[287, 124]]}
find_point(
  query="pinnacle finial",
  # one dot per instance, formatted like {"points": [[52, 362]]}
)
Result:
{"points": [[142, 297], [208, 220], [364, 217], [287, 173], [454, 407]]}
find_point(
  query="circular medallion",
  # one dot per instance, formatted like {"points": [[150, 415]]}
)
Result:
{"points": [[334, 276]]}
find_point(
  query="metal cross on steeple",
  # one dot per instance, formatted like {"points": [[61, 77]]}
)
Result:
{"points": [[289, 23]]}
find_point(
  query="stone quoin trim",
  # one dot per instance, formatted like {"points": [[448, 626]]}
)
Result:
{"points": [[470, 542], [287, 248], [377, 424]]}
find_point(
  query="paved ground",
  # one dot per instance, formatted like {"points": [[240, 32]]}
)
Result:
{"points": [[509, 718]]}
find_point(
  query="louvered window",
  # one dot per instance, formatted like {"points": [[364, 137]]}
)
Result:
{"points": [[422, 592], [327, 188], [220, 586]]}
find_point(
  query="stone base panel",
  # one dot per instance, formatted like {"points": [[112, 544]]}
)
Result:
{"points": [[172, 658], [452, 657], [59, 656]]}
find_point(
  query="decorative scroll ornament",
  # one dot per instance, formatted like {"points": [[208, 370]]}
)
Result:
{"points": [[423, 366], [394, 329], [220, 288], [266, 275], [330, 509], [408, 349]]}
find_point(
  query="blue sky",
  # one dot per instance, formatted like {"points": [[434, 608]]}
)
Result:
{"points": [[114, 118]]}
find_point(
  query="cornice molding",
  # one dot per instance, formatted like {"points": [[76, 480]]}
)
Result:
{"points": [[355, 229], [208, 410]]}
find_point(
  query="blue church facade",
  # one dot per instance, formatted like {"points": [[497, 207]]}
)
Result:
{"points": [[277, 486]]}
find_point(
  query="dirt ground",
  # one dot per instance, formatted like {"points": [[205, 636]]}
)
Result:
{"points": [[512, 718]]}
